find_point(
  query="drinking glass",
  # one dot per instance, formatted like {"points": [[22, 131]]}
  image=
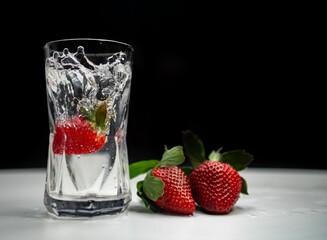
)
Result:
{"points": [[88, 85]]}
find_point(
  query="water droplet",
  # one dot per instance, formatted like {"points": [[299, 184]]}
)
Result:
{"points": [[80, 50], [56, 55], [261, 212], [54, 208], [66, 51], [252, 215], [298, 211], [313, 211]]}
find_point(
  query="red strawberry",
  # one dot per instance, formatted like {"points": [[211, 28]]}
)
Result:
{"points": [[177, 196], [215, 186], [165, 187], [76, 136], [215, 183]]}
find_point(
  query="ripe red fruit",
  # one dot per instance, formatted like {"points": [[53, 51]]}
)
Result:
{"points": [[177, 197], [215, 186], [76, 136]]}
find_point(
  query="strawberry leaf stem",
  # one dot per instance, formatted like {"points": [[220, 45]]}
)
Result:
{"points": [[215, 155]]}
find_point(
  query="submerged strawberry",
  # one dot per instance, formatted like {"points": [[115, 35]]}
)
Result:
{"points": [[81, 134], [76, 136]]}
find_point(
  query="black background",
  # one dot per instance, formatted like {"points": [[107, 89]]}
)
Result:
{"points": [[239, 76]]}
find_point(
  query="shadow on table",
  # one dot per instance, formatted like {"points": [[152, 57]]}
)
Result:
{"points": [[35, 213], [237, 210]]}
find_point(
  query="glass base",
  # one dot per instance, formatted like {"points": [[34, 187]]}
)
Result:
{"points": [[84, 208]]}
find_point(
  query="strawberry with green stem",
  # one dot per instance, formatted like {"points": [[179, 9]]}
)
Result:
{"points": [[215, 182], [82, 134], [165, 187]]}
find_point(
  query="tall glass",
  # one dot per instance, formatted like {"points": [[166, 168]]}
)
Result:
{"points": [[88, 87]]}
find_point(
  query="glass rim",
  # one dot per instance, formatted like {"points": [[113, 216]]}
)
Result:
{"points": [[90, 40]]}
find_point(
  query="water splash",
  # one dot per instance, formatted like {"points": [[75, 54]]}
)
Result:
{"points": [[72, 77]]}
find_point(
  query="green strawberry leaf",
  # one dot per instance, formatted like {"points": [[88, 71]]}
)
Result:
{"points": [[101, 116], [153, 187], [194, 149], [238, 159], [244, 189], [147, 202], [187, 170], [140, 167], [88, 114], [172, 157], [139, 186]]}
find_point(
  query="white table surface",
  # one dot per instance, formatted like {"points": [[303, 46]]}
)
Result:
{"points": [[283, 204]]}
